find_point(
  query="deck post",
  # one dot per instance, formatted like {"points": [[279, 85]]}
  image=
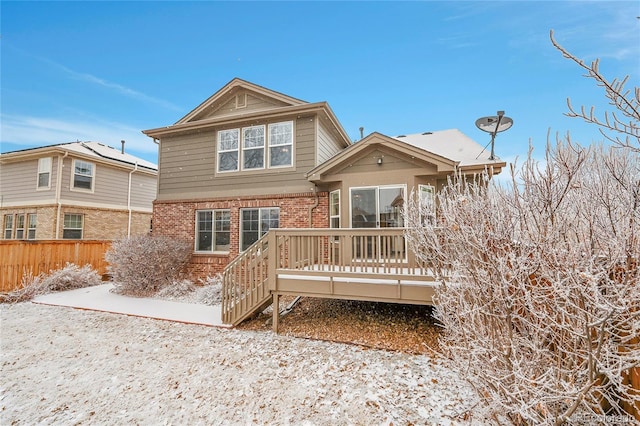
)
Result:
{"points": [[276, 311]]}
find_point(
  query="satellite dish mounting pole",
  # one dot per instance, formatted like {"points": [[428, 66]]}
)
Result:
{"points": [[493, 125], [493, 135]]}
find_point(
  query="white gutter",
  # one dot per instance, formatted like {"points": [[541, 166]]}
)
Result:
{"points": [[59, 192], [135, 168]]}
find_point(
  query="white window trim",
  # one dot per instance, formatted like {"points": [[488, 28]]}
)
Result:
{"points": [[220, 150], [433, 199], [268, 163], [81, 228], [8, 218], [331, 216], [50, 168], [28, 225], [213, 231], [378, 188], [17, 227], [93, 177], [240, 224], [264, 147]]}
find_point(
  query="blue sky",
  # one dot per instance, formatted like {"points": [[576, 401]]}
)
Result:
{"points": [[105, 71]]}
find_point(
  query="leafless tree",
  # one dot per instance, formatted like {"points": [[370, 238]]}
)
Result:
{"points": [[540, 280], [620, 126]]}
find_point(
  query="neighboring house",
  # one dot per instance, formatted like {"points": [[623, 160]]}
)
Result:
{"points": [[78, 190], [249, 159]]}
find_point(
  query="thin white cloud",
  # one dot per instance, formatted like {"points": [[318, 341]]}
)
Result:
{"points": [[117, 87], [31, 131], [92, 79]]}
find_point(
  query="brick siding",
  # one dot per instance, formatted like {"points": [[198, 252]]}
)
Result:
{"points": [[176, 219]]}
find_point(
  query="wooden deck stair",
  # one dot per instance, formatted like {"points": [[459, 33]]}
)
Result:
{"points": [[245, 284], [356, 264]]}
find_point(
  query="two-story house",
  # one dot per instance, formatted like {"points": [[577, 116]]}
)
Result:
{"points": [[249, 159], [78, 190]]}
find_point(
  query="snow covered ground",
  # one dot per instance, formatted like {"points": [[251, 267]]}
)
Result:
{"points": [[67, 366]]}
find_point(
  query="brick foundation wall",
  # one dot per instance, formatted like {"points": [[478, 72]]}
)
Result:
{"points": [[176, 219]]}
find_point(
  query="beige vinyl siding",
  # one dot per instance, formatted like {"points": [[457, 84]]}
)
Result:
{"points": [[228, 107], [110, 186], [328, 145], [143, 190], [189, 166], [19, 181], [365, 171]]}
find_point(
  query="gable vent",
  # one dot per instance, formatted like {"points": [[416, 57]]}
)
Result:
{"points": [[401, 136], [427, 133], [241, 100]]}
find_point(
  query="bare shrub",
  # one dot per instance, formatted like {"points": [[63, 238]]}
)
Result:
{"points": [[540, 294], [68, 278], [142, 265]]}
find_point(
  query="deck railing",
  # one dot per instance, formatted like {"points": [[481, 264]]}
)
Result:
{"points": [[244, 283], [330, 254], [380, 250]]}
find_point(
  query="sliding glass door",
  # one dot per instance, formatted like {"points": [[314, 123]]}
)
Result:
{"points": [[377, 207]]}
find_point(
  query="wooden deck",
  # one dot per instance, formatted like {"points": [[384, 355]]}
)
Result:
{"points": [[356, 264]]}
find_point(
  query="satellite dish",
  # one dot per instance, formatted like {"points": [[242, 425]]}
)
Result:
{"points": [[494, 124]]}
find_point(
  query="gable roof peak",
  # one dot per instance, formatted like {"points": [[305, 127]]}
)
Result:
{"points": [[234, 86]]}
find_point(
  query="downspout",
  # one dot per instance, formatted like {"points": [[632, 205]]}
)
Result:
{"points": [[135, 168], [315, 204], [59, 192]]}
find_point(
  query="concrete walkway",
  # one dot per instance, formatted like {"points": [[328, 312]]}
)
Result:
{"points": [[100, 298]]}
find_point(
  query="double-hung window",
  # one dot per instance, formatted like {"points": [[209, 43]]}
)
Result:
{"points": [[31, 231], [334, 209], [254, 223], [19, 226], [8, 226], [228, 150], [83, 174], [213, 230], [281, 144], [44, 173], [427, 204], [256, 147], [253, 148], [72, 228]]}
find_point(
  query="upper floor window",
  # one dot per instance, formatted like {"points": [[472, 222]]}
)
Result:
{"points": [[228, 150], [44, 173], [281, 144], [8, 226], [253, 147], [213, 230], [246, 148], [72, 228], [83, 174]]}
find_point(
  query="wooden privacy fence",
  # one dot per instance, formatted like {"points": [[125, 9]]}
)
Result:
{"points": [[20, 257]]}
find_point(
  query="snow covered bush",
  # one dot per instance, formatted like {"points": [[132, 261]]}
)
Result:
{"points": [[211, 291], [142, 265], [208, 292], [540, 293], [68, 278]]}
